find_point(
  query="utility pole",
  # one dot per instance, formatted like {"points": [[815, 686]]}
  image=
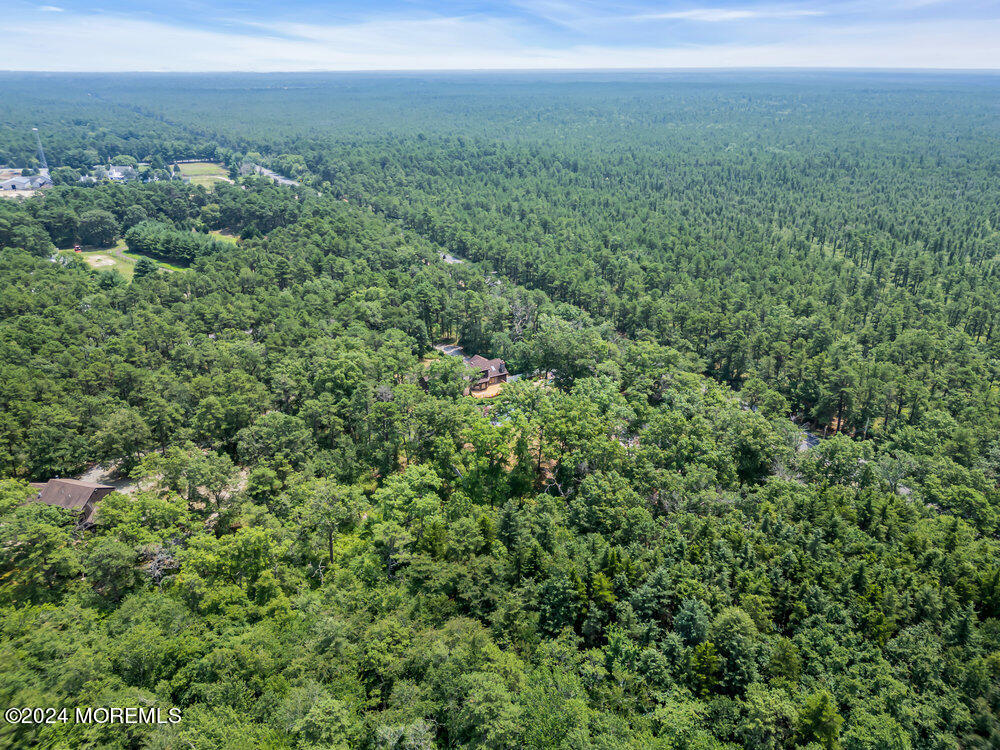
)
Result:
{"points": [[41, 152]]}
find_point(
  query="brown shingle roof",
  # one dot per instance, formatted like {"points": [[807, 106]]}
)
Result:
{"points": [[488, 368], [72, 494], [493, 367]]}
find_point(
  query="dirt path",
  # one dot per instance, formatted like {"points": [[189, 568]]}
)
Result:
{"points": [[106, 475]]}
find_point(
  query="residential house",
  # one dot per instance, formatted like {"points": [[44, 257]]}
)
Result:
{"points": [[73, 494], [122, 174], [491, 371], [34, 182]]}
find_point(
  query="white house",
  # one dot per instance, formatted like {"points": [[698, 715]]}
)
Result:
{"points": [[122, 174]]}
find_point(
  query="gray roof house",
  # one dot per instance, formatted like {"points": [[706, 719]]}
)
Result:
{"points": [[122, 174], [16, 183], [26, 183]]}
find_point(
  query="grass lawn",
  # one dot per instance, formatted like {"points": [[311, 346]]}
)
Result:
{"points": [[205, 173], [116, 257], [225, 236]]}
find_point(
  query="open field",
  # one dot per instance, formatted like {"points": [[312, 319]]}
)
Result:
{"points": [[117, 258], [223, 235], [205, 173], [18, 193]]}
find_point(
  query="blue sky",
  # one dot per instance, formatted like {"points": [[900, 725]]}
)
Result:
{"points": [[296, 35]]}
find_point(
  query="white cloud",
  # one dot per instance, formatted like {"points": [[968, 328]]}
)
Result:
{"points": [[50, 9], [391, 37], [569, 15], [464, 43], [452, 43], [719, 15]]}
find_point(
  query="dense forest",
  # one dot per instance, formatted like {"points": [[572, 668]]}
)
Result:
{"points": [[322, 542]]}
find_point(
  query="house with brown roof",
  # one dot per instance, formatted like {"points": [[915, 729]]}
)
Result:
{"points": [[73, 494], [491, 371]]}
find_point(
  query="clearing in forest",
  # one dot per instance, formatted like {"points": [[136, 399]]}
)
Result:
{"points": [[204, 173], [224, 235], [117, 258]]}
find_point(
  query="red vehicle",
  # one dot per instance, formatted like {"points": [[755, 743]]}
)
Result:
{"points": [[76, 248]]}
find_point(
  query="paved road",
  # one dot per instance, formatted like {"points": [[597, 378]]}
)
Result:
{"points": [[452, 350], [280, 179]]}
